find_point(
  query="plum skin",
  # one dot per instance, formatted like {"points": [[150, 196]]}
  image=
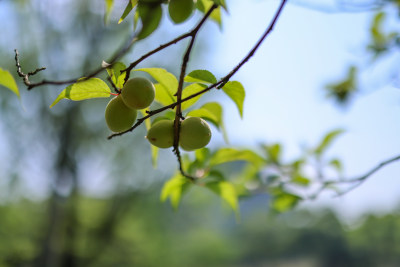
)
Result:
{"points": [[161, 134], [138, 93], [118, 116], [195, 133]]}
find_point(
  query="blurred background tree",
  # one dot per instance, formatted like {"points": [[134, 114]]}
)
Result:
{"points": [[68, 197]]}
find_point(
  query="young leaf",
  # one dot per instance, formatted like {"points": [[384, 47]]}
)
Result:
{"points": [[109, 7], [200, 76], [300, 180], [224, 155], [226, 191], [190, 90], [154, 149], [327, 140], [128, 9], [114, 71], [235, 91], [163, 96], [84, 89], [7, 80], [273, 152], [150, 16], [174, 189]]}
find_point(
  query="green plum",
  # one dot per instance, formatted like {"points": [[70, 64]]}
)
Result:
{"points": [[161, 134], [180, 10], [195, 133], [118, 116], [138, 93]]}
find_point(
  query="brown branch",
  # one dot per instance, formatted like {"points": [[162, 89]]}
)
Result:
{"points": [[31, 85]]}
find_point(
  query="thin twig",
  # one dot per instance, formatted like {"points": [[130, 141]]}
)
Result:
{"points": [[112, 60]]}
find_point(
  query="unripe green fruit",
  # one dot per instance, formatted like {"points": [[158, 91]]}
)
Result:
{"points": [[195, 133], [118, 116], [180, 10], [161, 134], [138, 93]]}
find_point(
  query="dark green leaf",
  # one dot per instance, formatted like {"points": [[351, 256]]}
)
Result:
{"points": [[7, 80], [128, 9], [150, 15], [235, 91], [201, 76], [84, 89]]}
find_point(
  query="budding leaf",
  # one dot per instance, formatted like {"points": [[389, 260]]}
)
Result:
{"points": [[174, 189], [201, 76], [128, 9], [7, 80], [235, 91], [117, 77], [84, 89], [190, 90], [226, 191]]}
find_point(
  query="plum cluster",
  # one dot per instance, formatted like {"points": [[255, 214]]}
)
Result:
{"points": [[139, 93]]}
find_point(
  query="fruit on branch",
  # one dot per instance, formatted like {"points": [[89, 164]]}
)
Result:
{"points": [[118, 116], [161, 134], [138, 93], [180, 10], [195, 133]]}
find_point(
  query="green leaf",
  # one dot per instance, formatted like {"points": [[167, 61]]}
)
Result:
{"points": [[190, 90], [163, 95], [211, 111], [150, 15], [204, 6], [224, 155], [109, 7], [201, 76], [300, 180], [226, 191], [154, 149], [174, 189], [165, 78], [128, 9], [285, 201], [274, 152], [7, 80], [327, 141], [337, 164], [114, 71], [84, 89], [235, 91]]}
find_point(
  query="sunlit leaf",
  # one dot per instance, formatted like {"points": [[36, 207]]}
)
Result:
{"points": [[154, 149], [84, 89], [211, 111], [7, 80], [273, 152], [200, 76], [205, 5], [150, 15], [300, 180], [165, 78], [190, 90], [284, 202], [235, 91], [128, 9], [226, 191], [174, 189], [114, 71], [109, 7], [327, 141], [224, 155]]}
